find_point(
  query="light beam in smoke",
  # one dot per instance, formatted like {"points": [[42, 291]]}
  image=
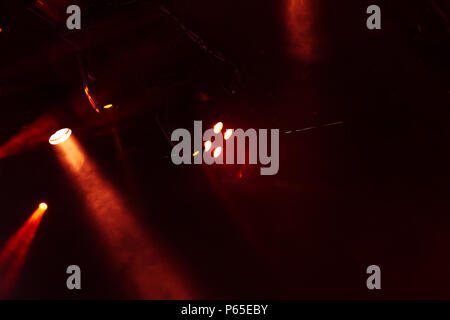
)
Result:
{"points": [[14, 252], [299, 24], [131, 250], [29, 137]]}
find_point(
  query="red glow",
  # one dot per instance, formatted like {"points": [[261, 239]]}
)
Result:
{"points": [[132, 251], [204, 97], [14, 252], [299, 22], [29, 137], [54, 10], [1, 29]]}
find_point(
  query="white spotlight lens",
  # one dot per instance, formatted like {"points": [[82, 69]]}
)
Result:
{"points": [[60, 136]]}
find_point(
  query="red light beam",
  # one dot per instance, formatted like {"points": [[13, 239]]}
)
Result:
{"points": [[29, 137], [299, 24], [14, 252]]}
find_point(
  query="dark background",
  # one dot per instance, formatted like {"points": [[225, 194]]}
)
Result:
{"points": [[373, 190]]}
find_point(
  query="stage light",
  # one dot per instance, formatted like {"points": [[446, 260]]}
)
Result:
{"points": [[217, 152], [108, 106], [228, 134], [218, 127], [14, 252], [91, 98], [1, 30], [60, 136], [43, 206], [208, 145]]}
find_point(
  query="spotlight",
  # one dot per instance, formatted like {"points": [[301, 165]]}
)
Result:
{"points": [[218, 127], [60, 136], [228, 134], [43, 206], [108, 106], [217, 152], [208, 145], [14, 252]]}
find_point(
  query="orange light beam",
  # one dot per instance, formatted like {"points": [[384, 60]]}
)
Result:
{"points": [[131, 250], [14, 252]]}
